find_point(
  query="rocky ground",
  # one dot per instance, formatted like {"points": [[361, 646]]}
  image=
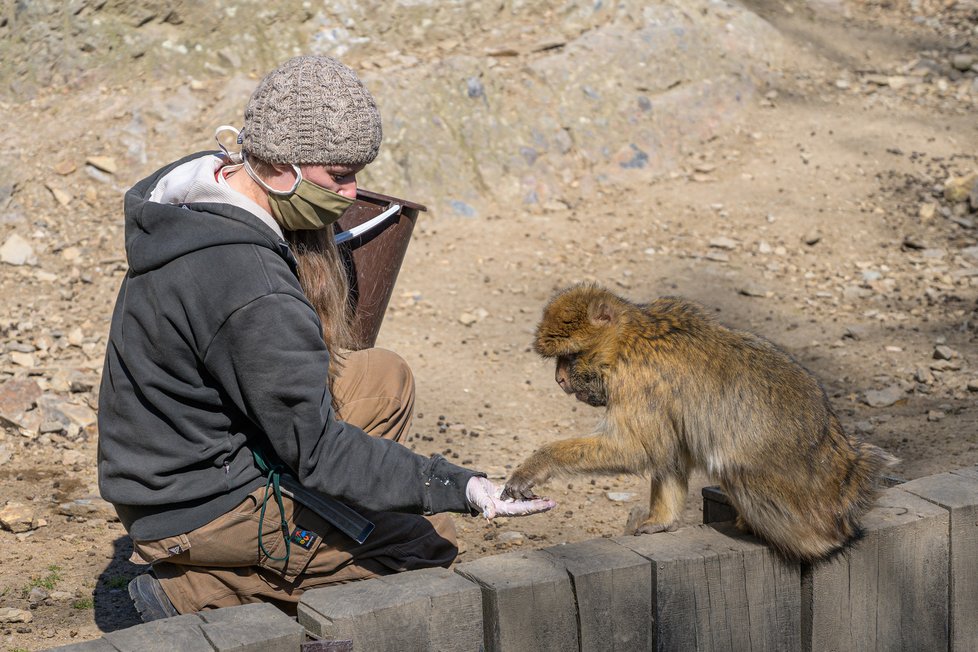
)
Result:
{"points": [[835, 215]]}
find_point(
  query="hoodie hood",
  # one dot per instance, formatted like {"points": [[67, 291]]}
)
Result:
{"points": [[174, 212]]}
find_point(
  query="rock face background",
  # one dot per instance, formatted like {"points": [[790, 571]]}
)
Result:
{"points": [[807, 169], [507, 102]]}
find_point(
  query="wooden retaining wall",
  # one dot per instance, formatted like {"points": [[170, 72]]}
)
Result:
{"points": [[911, 584]]}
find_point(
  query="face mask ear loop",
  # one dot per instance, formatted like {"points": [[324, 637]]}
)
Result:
{"points": [[261, 182], [233, 157]]}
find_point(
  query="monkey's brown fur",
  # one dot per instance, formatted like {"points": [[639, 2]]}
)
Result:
{"points": [[684, 392]]}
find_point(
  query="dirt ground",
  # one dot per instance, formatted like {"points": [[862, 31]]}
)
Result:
{"points": [[820, 220]]}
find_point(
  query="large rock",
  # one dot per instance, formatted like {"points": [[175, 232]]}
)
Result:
{"points": [[17, 250], [17, 517]]}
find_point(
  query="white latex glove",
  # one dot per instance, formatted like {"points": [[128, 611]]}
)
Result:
{"points": [[483, 495]]}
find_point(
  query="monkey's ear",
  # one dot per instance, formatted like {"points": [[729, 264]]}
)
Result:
{"points": [[601, 312]]}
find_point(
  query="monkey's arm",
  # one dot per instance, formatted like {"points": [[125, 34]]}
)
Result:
{"points": [[596, 453]]}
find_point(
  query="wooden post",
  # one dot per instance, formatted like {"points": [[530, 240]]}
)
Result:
{"points": [[957, 492], [716, 589], [527, 602], [430, 609], [886, 592], [251, 627], [611, 586]]}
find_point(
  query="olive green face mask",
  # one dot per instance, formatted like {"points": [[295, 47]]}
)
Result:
{"points": [[304, 207]]}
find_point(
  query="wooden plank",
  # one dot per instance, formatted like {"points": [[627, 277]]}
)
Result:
{"points": [[957, 492], [716, 506], [527, 602], [718, 589], [612, 586], [251, 628], [176, 633], [430, 609], [888, 591]]}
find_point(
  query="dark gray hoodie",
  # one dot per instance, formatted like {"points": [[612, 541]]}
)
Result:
{"points": [[213, 349]]}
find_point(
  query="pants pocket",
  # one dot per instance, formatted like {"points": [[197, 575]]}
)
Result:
{"points": [[303, 543]]}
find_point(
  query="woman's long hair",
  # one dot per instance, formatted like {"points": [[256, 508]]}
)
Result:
{"points": [[324, 281]]}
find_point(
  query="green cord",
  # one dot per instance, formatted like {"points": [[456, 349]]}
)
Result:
{"points": [[273, 479]]}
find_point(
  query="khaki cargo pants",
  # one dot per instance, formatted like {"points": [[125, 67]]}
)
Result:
{"points": [[220, 564]]}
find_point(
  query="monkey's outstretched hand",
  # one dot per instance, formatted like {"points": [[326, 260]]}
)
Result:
{"points": [[484, 496], [524, 478]]}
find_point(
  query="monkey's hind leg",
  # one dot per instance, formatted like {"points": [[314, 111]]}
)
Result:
{"points": [[667, 497]]}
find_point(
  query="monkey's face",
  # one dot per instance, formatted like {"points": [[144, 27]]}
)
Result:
{"points": [[576, 377]]}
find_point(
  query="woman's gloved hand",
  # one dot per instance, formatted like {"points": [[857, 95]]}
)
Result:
{"points": [[483, 495]]}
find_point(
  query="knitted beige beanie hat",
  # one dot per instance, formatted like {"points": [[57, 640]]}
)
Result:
{"points": [[312, 110]]}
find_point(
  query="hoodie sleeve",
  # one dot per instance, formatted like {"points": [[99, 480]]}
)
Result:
{"points": [[270, 358]]}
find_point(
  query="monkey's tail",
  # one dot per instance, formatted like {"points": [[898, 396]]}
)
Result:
{"points": [[861, 485], [803, 535]]}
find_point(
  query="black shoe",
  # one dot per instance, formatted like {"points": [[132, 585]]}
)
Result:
{"points": [[150, 600]]}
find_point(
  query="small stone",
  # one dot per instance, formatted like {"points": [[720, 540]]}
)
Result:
{"points": [[37, 595], [17, 397], [17, 517], [722, 242], [16, 250], [935, 415], [53, 408], [973, 385], [104, 163], [870, 275], [842, 84], [512, 538], [958, 189], [62, 595], [71, 254], [945, 365], [718, 257], [22, 359], [913, 242], [11, 615], [764, 248], [619, 496], [896, 82], [963, 62], [923, 375], [943, 352], [811, 239], [76, 337], [927, 211], [51, 426], [883, 397], [467, 319], [88, 508], [61, 196], [855, 332], [65, 168], [752, 290]]}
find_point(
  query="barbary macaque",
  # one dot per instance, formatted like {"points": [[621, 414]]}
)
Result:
{"points": [[683, 392]]}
